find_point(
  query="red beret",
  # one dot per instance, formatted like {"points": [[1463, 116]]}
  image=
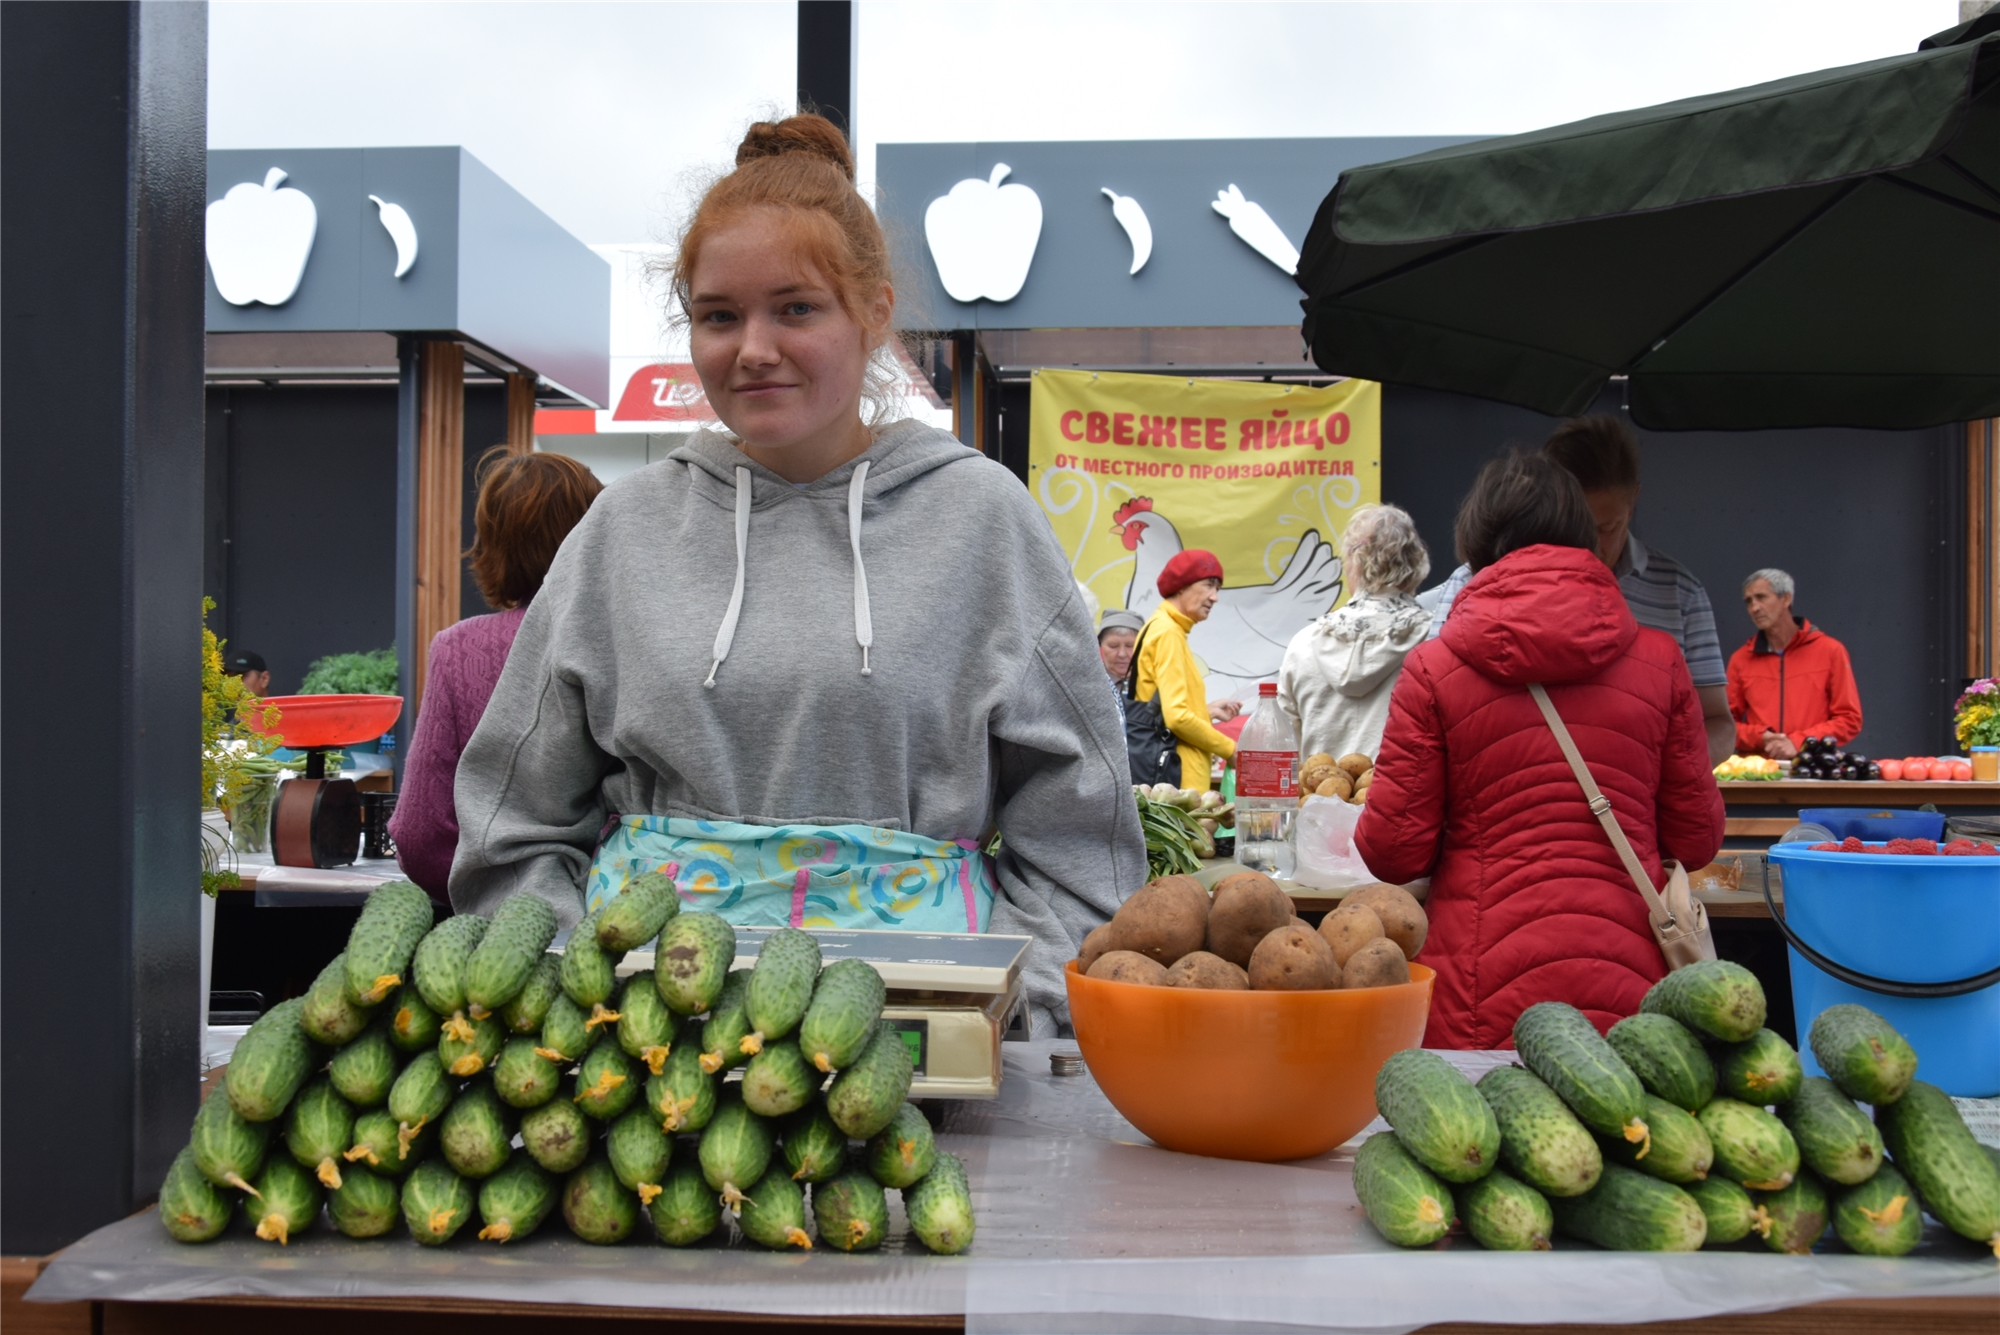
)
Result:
{"points": [[1187, 568]]}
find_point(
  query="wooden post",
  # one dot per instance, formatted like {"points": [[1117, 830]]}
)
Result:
{"points": [[521, 413], [1982, 555], [440, 499]]}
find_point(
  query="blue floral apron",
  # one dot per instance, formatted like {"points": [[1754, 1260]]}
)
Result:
{"points": [[847, 877]]}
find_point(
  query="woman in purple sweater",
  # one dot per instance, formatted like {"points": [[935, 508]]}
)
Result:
{"points": [[528, 503]]}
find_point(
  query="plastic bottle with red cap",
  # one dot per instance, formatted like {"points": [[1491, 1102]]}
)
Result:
{"points": [[1267, 787]]}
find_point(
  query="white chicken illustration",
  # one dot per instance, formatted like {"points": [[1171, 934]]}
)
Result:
{"points": [[1243, 641]]}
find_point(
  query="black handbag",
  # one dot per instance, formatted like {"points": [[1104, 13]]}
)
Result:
{"points": [[1151, 749]]}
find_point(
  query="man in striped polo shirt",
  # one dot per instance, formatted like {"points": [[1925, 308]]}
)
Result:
{"points": [[1662, 593]]}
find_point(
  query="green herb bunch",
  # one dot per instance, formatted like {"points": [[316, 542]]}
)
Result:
{"points": [[371, 673]]}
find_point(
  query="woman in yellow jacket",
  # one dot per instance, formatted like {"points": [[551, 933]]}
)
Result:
{"points": [[1189, 587]]}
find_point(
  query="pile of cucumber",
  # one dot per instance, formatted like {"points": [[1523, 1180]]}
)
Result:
{"points": [[1688, 1125], [437, 1075]]}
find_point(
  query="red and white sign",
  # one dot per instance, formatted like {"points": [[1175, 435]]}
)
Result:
{"points": [[663, 392]]}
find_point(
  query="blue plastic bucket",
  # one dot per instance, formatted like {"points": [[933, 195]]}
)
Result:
{"points": [[1894, 925], [1875, 825]]}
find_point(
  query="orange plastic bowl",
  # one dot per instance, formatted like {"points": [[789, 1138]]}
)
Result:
{"points": [[331, 720], [1244, 1075]]}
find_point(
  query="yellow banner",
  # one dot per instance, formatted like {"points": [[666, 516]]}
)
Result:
{"points": [[1131, 469]]}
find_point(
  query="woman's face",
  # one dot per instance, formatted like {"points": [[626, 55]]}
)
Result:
{"points": [[779, 357], [1197, 600]]}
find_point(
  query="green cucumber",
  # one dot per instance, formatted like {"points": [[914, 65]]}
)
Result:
{"points": [[192, 1208], [647, 1030], [1798, 1214], [847, 1002], [692, 961], [865, 1095], [437, 1202], [1714, 997], [1438, 1115], [1560, 1044], [285, 1203], [439, 962], [939, 1208], [505, 958], [330, 1017], [475, 1132], [530, 1006], [384, 938], [781, 985], [1762, 1070], [1835, 1138], [365, 1204], [556, 1135], [467, 1046], [636, 914], [774, 1213], [1504, 1214], [725, 1038], [1407, 1203], [851, 1212], [319, 1129], [381, 1143], [228, 1147], [685, 1211], [270, 1063], [514, 1201], [640, 1153], [1541, 1142], [588, 974], [815, 1149], [523, 1077], [365, 1070], [1956, 1176], [1668, 1059], [413, 1025], [1863, 1054], [1732, 1214], [1676, 1149], [421, 1093], [568, 1033], [735, 1149], [594, 1205], [682, 1095], [1751, 1146], [778, 1082], [607, 1083], [902, 1152], [1628, 1211], [1879, 1217]]}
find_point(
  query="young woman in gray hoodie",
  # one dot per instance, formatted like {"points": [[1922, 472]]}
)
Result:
{"points": [[808, 665]]}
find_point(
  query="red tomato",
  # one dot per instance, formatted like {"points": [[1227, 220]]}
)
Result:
{"points": [[1916, 771], [1961, 771], [1891, 769]]}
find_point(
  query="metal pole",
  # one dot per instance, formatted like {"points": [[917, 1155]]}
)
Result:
{"points": [[827, 59]]}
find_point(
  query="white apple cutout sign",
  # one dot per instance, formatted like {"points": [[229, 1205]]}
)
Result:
{"points": [[259, 238], [982, 237]]}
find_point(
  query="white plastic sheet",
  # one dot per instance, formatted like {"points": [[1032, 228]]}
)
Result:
{"points": [[1323, 845]]}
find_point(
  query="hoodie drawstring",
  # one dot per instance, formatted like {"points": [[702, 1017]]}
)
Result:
{"points": [[726, 635], [864, 626]]}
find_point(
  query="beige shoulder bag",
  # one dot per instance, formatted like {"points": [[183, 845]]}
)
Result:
{"points": [[1680, 924]]}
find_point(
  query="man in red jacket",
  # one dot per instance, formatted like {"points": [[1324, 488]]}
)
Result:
{"points": [[1790, 681]]}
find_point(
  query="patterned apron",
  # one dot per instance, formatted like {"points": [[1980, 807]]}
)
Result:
{"points": [[848, 877]]}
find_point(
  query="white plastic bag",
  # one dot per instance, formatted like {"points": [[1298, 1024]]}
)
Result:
{"points": [[1326, 855]]}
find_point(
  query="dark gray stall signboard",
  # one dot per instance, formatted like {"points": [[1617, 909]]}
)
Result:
{"points": [[1162, 233], [403, 240]]}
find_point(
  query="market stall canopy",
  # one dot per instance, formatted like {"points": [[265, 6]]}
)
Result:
{"points": [[1822, 250]]}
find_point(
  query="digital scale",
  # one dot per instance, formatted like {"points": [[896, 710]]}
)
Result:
{"points": [[950, 997]]}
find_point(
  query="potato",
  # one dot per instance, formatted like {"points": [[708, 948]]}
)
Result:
{"points": [[1336, 784], [1312, 776], [1163, 920], [1378, 964], [1403, 918], [1293, 959], [1355, 764], [1094, 946], [1320, 758], [1201, 969], [1348, 928], [1248, 907], [1128, 966], [1365, 782]]}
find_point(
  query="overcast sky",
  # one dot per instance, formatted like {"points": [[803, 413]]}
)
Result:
{"points": [[607, 114]]}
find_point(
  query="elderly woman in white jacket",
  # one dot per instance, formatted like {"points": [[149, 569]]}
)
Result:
{"points": [[1339, 670]]}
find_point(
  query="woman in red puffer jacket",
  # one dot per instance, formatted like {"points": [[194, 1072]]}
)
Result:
{"points": [[1529, 901]]}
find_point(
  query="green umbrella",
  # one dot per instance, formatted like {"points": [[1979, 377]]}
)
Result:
{"points": [[1823, 250]]}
